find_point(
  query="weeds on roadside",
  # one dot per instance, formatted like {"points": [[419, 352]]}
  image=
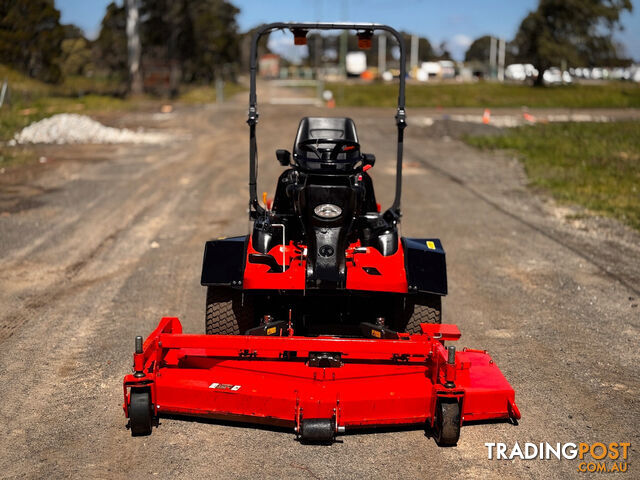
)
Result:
{"points": [[489, 95], [596, 165]]}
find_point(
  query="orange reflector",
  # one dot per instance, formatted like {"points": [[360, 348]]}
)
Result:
{"points": [[364, 39], [364, 43], [299, 36]]}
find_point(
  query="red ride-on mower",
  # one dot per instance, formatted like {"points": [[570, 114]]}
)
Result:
{"points": [[323, 318]]}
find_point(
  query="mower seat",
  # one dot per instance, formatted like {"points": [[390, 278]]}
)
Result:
{"points": [[332, 130]]}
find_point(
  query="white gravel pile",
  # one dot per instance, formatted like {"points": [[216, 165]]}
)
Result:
{"points": [[73, 128]]}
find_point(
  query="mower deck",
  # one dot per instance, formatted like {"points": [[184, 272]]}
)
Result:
{"points": [[318, 386]]}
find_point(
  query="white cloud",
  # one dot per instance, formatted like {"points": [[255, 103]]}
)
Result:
{"points": [[458, 45], [461, 40], [282, 43]]}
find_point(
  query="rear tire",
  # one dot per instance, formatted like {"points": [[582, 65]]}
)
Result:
{"points": [[421, 309], [226, 314]]}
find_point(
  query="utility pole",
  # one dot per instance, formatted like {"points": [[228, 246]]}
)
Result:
{"points": [[501, 54], [133, 47], [344, 39], [492, 58], [343, 52], [318, 40], [414, 51], [382, 53]]}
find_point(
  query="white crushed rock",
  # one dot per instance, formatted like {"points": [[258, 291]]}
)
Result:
{"points": [[73, 128]]}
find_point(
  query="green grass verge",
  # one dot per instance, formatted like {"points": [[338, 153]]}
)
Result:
{"points": [[19, 114], [489, 94], [30, 100], [200, 94], [596, 165]]}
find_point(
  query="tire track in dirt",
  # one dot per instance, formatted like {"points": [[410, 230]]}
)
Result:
{"points": [[576, 248], [628, 283]]}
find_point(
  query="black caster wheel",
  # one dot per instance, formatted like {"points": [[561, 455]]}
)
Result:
{"points": [[140, 415], [447, 424], [318, 431]]}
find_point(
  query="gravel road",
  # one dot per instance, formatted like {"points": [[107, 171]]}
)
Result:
{"points": [[101, 241]]}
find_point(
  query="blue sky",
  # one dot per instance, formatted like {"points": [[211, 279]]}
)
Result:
{"points": [[456, 22]]}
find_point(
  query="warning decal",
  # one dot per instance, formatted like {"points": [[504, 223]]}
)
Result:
{"points": [[225, 387]]}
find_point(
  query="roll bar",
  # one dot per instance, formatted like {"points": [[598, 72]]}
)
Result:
{"points": [[252, 120]]}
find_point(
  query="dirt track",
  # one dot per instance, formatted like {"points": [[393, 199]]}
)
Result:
{"points": [[101, 242]]}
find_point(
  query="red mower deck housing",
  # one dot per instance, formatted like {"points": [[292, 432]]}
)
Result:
{"points": [[298, 381]]}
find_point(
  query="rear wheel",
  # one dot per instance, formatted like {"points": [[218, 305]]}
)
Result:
{"points": [[421, 309], [226, 312]]}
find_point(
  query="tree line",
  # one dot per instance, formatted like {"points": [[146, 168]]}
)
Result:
{"points": [[575, 33], [195, 40], [198, 41]]}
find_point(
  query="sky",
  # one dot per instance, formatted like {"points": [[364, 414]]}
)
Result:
{"points": [[455, 22]]}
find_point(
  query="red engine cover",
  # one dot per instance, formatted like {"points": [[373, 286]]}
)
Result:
{"points": [[368, 271]]}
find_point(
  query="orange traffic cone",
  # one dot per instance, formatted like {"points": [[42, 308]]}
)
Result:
{"points": [[486, 116], [331, 103], [529, 118]]}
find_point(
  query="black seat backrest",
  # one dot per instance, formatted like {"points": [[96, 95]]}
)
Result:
{"points": [[339, 128], [326, 127]]}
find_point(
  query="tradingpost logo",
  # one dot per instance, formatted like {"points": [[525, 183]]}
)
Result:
{"points": [[591, 457]]}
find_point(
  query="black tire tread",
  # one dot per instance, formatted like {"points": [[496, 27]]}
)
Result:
{"points": [[423, 309], [140, 415], [448, 422], [226, 314]]}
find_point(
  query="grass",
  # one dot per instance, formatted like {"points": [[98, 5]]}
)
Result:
{"points": [[31, 100], [200, 94], [596, 165], [22, 112], [489, 94]]}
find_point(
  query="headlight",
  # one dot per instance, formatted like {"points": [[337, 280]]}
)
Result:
{"points": [[327, 210]]}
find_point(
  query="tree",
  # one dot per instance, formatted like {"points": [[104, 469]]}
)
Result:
{"points": [[425, 49], [571, 32], [479, 50], [196, 38], [133, 46], [443, 52], [245, 46], [215, 38], [110, 48], [76, 52], [31, 37], [191, 41]]}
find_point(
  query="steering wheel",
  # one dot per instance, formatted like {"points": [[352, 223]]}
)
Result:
{"points": [[339, 146]]}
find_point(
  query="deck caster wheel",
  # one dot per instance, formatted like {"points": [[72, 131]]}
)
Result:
{"points": [[140, 415], [317, 430], [447, 424]]}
